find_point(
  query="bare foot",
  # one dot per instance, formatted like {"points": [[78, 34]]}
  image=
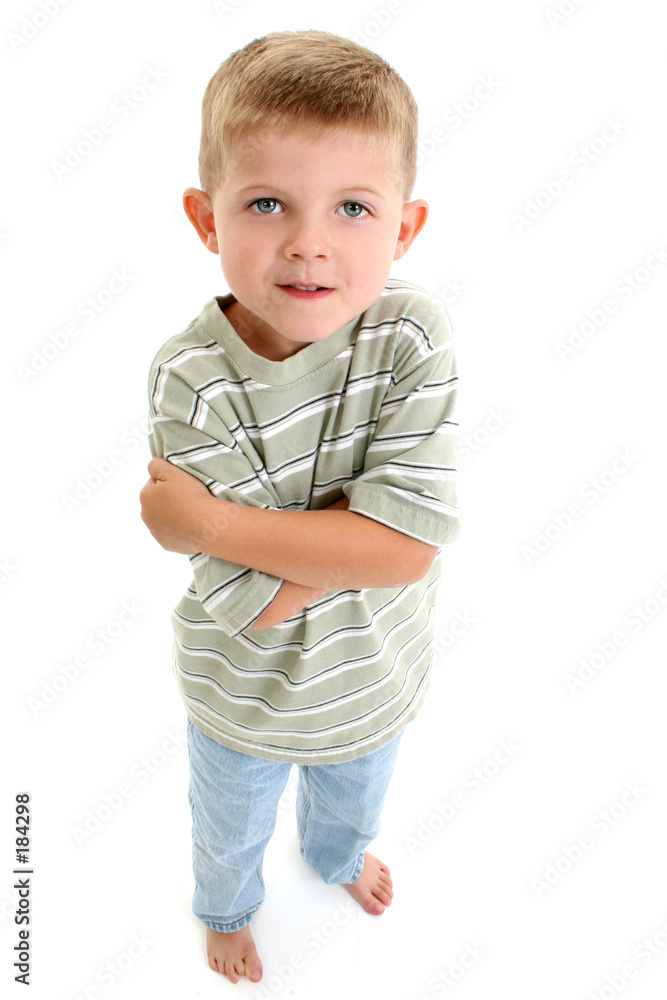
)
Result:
{"points": [[373, 888], [233, 954]]}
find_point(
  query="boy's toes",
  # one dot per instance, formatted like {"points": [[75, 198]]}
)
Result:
{"points": [[230, 971], [253, 968], [382, 896]]}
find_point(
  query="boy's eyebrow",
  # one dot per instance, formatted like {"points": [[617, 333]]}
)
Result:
{"points": [[254, 187], [361, 188]]}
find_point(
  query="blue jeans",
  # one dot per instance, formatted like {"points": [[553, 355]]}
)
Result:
{"points": [[234, 800]]}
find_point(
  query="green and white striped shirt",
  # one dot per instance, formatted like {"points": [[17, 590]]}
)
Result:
{"points": [[367, 412]]}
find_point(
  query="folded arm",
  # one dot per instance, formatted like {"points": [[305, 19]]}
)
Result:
{"points": [[330, 549], [334, 549]]}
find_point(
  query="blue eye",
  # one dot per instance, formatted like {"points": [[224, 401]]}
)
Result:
{"points": [[357, 207], [265, 205]]}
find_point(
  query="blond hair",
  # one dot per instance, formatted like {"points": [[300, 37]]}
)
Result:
{"points": [[310, 79]]}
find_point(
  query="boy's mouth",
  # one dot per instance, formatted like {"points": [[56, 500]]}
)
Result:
{"points": [[305, 288], [306, 291]]}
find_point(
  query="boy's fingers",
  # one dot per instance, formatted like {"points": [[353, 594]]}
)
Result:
{"points": [[154, 467]]}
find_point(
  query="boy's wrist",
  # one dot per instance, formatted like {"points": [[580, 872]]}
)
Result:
{"points": [[212, 519], [290, 599]]}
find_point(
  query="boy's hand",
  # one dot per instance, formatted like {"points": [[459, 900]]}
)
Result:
{"points": [[173, 505]]}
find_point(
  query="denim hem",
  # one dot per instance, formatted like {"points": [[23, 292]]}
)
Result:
{"points": [[231, 926], [356, 874]]}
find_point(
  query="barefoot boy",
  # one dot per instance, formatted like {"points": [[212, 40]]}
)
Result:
{"points": [[304, 439]]}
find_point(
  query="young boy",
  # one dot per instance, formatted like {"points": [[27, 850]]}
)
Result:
{"points": [[304, 439]]}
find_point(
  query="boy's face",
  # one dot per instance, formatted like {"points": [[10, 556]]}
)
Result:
{"points": [[293, 209]]}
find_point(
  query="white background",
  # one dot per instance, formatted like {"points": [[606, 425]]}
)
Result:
{"points": [[529, 594]]}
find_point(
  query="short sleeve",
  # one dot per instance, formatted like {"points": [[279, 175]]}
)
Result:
{"points": [[409, 480], [187, 432]]}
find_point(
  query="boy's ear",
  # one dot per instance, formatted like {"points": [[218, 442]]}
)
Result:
{"points": [[413, 220], [198, 208]]}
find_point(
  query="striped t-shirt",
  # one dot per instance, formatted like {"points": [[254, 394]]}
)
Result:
{"points": [[367, 412]]}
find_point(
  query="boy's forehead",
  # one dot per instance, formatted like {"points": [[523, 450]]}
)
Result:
{"points": [[256, 154]]}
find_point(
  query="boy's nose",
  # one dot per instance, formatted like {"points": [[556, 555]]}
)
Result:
{"points": [[307, 241]]}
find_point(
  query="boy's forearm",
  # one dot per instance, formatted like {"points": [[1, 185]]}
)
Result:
{"points": [[330, 549], [292, 597]]}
